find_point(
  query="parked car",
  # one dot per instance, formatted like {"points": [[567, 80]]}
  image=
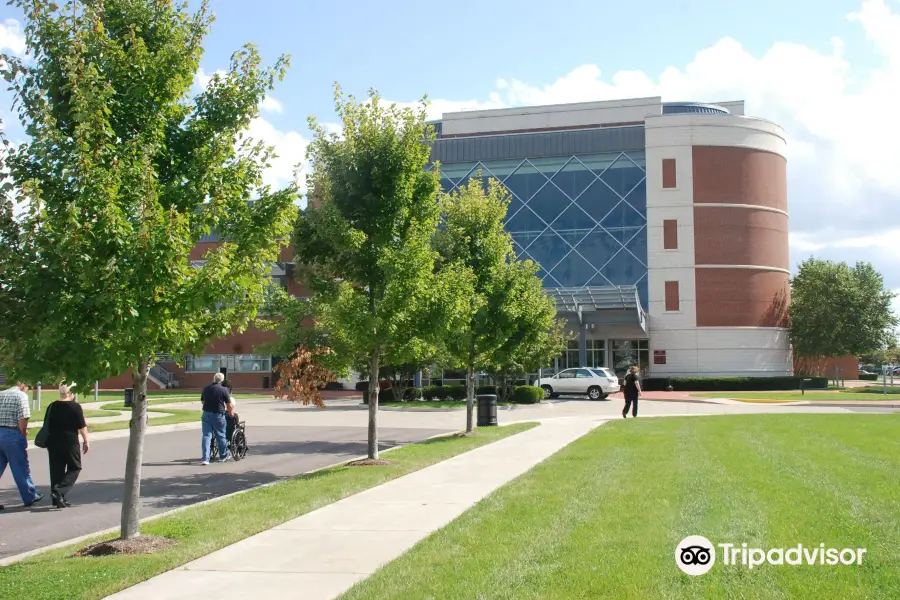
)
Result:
{"points": [[595, 383]]}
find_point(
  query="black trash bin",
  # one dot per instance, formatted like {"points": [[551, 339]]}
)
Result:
{"points": [[129, 397], [265, 383], [487, 410]]}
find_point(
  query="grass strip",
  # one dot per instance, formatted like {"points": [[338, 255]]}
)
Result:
{"points": [[203, 529]]}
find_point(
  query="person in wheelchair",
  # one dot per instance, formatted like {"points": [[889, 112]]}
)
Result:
{"points": [[235, 431]]}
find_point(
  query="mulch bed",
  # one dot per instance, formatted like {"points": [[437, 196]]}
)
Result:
{"points": [[143, 544], [369, 462]]}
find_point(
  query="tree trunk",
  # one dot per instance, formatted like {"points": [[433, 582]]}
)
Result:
{"points": [[470, 397], [131, 526], [373, 405]]}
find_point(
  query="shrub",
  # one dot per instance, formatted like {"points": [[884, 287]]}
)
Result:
{"points": [[387, 395], [527, 394], [486, 389], [430, 392], [362, 386], [869, 377], [454, 392], [732, 384], [334, 386]]}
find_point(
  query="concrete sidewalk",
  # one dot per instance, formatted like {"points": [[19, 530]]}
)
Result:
{"points": [[323, 553]]}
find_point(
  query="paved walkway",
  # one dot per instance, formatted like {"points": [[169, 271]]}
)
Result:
{"points": [[323, 553]]}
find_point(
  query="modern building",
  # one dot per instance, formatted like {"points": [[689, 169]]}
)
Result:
{"points": [[661, 228]]}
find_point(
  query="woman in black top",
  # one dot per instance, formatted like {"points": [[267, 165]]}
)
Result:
{"points": [[632, 392], [65, 420]]}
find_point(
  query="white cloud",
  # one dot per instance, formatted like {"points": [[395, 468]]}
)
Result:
{"points": [[11, 37], [841, 122], [202, 78], [290, 148], [270, 104]]}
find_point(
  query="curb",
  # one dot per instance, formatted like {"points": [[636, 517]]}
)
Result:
{"points": [[5, 562]]}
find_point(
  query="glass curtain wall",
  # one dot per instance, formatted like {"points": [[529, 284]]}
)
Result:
{"points": [[582, 218]]}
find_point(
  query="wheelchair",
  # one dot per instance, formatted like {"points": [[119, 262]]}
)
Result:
{"points": [[236, 434]]}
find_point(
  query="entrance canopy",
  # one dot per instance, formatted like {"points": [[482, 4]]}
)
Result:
{"points": [[606, 305]]}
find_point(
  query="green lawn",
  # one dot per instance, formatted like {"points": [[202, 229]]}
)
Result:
{"points": [[199, 530], [174, 417], [837, 395], [602, 518], [88, 414]]}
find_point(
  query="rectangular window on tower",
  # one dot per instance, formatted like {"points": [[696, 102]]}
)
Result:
{"points": [[670, 234], [673, 303], [669, 179]]}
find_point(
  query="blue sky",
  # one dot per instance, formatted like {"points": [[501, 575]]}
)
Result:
{"points": [[828, 71]]}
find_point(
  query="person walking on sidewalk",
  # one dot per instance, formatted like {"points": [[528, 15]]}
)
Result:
{"points": [[632, 391], [14, 415], [216, 400], [65, 421]]}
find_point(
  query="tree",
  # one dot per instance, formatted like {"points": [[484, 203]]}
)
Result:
{"points": [[473, 236], [302, 375], [123, 172], [363, 245], [536, 336], [838, 310]]}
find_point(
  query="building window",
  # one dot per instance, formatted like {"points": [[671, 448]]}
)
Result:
{"points": [[235, 363], [672, 301], [670, 234], [596, 353], [669, 180], [626, 353]]}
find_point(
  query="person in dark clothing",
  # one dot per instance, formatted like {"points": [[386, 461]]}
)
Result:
{"points": [[216, 400], [632, 392], [65, 421]]}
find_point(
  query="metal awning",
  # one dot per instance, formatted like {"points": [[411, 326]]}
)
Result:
{"points": [[602, 305]]}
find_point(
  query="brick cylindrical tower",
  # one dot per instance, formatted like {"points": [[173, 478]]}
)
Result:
{"points": [[718, 256]]}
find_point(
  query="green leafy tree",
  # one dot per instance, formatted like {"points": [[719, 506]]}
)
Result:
{"points": [[123, 173], [838, 310], [536, 334], [363, 245], [473, 235]]}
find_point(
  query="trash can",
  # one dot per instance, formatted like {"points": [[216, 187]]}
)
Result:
{"points": [[487, 410], [265, 383], [129, 397]]}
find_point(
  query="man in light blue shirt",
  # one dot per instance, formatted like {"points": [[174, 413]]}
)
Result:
{"points": [[14, 415]]}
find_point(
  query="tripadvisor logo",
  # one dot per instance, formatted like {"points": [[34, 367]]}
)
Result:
{"points": [[696, 555]]}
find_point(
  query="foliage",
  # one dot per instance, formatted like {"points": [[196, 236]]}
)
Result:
{"points": [[838, 310], [363, 244], [732, 384], [473, 235], [869, 377], [302, 375], [123, 173], [486, 389], [527, 394]]}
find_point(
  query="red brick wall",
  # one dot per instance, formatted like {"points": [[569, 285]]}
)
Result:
{"points": [[824, 366]]}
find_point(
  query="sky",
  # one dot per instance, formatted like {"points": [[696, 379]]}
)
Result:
{"points": [[828, 71]]}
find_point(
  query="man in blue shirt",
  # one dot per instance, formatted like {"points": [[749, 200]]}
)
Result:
{"points": [[216, 400]]}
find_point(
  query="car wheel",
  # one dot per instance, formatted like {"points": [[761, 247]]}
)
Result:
{"points": [[548, 392], [594, 393]]}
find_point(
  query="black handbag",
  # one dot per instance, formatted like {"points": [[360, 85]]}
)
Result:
{"points": [[43, 436]]}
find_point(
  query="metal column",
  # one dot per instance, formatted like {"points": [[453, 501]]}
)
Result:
{"points": [[582, 346]]}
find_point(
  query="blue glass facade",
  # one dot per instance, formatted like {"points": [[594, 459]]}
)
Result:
{"points": [[582, 218]]}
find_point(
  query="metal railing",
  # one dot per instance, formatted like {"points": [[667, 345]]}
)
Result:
{"points": [[164, 376]]}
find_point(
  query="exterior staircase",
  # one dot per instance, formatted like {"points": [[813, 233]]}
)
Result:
{"points": [[160, 375]]}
